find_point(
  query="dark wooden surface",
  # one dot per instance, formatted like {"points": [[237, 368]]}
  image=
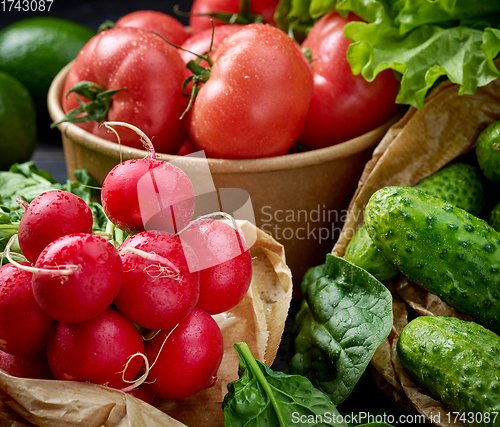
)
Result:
{"points": [[93, 13]]}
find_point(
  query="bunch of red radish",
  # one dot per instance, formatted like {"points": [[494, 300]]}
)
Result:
{"points": [[135, 316]]}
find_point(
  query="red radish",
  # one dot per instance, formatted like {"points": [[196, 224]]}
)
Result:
{"points": [[185, 360], [35, 366], [186, 148], [157, 293], [97, 351], [24, 326], [51, 215], [143, 394], [79, 276], [161, 23], [225, 263], [147, 194]]}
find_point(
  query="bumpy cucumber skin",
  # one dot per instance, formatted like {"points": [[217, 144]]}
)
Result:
{"points": [[460, 184], [362, 252], [458, 362], [446, 250], [494, 218], [488, 151]]}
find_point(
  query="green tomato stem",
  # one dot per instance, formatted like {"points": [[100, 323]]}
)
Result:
{"points": [[96, 109]]}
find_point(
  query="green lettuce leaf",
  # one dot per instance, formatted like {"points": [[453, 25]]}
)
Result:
{"points": [[464, 55], [410, 14], [293, 17], [366, 9], [345, 315], [423, 41]]}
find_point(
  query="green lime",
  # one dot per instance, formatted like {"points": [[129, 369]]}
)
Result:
{"points": [[34, 50], [17, 122], [488, 152]]}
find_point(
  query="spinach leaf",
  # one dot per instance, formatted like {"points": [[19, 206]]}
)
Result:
{"points": [[312, 274], [345, 315], [262, 397]]}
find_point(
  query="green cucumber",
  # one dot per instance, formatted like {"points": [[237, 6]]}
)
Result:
{"points": [[488, 151], [446, 250], [460, 184], [494, 217], [458, 362], [362, 252]]}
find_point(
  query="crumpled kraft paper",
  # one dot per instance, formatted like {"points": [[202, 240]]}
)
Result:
{"points": [[258, 320], [421, 143]]}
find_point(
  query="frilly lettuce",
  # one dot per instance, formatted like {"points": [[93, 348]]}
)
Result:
{"points": [[422, 40]]}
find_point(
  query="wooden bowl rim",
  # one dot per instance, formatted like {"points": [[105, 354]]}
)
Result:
{"points": [[269, 164]]}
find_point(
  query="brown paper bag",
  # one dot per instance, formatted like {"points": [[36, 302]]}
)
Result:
{"points": [[259, 320], [421, 143]]}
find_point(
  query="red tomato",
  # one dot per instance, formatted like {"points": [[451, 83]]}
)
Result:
{"points": [[200, 42], [150, 70], [264, 8], [200, 23], [255, 102], [186, 148], [159, 22], [343, 105]]}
